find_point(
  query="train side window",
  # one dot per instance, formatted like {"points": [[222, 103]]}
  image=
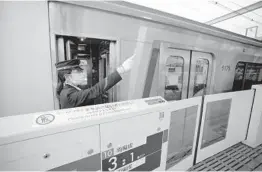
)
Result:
{"points": [[251, 75], [260, 75], [246, 75], [174, 78], [239, 76], [201, 75]]}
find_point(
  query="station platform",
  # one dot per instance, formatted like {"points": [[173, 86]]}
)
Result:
{"points": [[239, 157]]}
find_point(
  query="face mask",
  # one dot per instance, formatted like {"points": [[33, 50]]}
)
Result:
{"points": [[78, 77]]}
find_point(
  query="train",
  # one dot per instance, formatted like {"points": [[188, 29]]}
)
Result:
{"points": [[176, 58]]}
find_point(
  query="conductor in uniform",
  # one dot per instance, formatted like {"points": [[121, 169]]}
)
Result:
{"points": [[71, 77]]}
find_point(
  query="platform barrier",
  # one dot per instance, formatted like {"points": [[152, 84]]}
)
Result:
{"points": [[184, 124], [254, 135], [224, 122], [123, 136], [141, 135]]}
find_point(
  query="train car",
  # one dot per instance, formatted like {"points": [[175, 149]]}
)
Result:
{"points": [[176, 58]]}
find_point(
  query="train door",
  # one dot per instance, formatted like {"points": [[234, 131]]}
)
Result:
{"points": [[174, 70], [183, 73], [200, 74]]}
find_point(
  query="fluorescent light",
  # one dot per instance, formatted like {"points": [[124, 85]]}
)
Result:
{"points": [[145, 17]]}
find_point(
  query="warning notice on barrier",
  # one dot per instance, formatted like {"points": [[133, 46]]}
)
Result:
{"points": [[100, 111], [83, 113], [60, 117]]}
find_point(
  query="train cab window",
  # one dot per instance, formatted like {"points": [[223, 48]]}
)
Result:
{"points": [[246, 75], [201, 75], [252, 75], [239, 76], [174, 78], [260, 75], [94, 55]]}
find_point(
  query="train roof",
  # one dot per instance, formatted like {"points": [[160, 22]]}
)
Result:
{"points": [[145, 13]]}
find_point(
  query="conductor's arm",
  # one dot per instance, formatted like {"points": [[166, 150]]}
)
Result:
{"points": [[79, 97]]}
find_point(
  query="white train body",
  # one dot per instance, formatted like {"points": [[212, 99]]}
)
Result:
{"points": [[30, 48]]}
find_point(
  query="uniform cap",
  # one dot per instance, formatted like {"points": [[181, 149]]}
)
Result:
{"points": [[68, 64]]}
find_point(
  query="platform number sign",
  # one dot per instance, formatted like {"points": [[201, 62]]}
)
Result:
{"points": [[146, 157], [114, 162]]}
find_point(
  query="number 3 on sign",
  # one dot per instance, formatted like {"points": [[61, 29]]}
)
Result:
{"points": [[113, 162]]}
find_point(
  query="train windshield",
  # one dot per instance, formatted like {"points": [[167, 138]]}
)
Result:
{"points": [[174, 78]]}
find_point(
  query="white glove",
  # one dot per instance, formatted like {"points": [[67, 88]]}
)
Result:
{"points": [[126, 65]]}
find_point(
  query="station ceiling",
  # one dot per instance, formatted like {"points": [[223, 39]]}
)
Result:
{"points": [[240, 16]]}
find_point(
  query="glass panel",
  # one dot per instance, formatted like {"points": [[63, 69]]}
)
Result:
{"points": [[201, 74], [216, 122], [181, 135], [260, 75], [251, 75], [174, 78], [246, 75], [239, 76]]}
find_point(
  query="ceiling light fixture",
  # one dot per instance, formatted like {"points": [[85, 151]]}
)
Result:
{"points": [[148, 18]]}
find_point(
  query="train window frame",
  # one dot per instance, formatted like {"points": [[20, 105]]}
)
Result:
{"points": [[246, 64], [114, 50], [182, 77], [206, 79]]}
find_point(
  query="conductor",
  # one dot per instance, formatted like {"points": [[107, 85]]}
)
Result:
{"points": [[71, 77]]}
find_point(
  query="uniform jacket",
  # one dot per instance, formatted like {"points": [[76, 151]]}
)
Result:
{"points": [[71, 97]]}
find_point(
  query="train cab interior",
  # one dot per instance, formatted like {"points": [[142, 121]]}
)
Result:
{"points": [[94, 55]]}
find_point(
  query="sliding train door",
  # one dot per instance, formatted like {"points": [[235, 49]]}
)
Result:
{"points": [[184, 73], [173, 70], [200, 74]]}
